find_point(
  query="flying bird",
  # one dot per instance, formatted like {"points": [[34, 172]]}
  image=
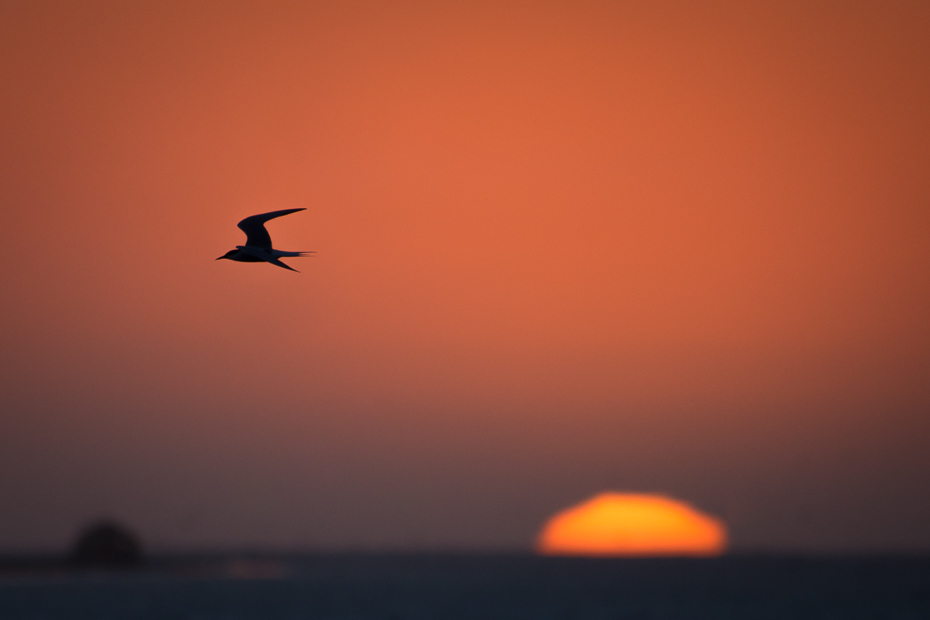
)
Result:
{"points": [[257, 248]]}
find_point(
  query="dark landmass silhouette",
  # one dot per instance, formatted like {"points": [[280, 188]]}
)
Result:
{"points": [[106, 544]]}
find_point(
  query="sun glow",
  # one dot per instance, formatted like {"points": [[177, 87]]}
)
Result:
{"points": [[631, 524]]}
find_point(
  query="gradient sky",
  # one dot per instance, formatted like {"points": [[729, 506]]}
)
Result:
{"points": [[563, 247]]}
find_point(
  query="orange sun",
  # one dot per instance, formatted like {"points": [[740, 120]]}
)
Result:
{"points": [[632, 524]]}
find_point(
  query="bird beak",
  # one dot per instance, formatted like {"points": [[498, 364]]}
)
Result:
{"points": [[221, 257]]}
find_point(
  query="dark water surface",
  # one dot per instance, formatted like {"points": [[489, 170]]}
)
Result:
{"points": [[409, 587]]}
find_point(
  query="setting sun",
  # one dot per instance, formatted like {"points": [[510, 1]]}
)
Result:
{"points": [[630, 524]]}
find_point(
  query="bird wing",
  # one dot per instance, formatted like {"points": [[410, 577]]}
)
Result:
{"points": [[275, 261], [254, 228], [261, 254]]}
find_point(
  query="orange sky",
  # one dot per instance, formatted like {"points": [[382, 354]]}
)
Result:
{"points": [[562, 248]]}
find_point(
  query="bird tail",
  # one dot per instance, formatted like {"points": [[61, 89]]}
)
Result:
{"points": [[283, 254]]}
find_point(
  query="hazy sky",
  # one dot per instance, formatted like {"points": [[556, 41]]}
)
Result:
{"points": [[563, 247]]}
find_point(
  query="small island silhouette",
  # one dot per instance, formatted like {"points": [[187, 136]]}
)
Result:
{"points": [[106, 544]]}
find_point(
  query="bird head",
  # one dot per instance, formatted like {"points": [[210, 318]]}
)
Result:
{"points": [[229, 254]]}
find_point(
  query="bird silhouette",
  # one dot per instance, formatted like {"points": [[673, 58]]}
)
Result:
{"points": [[257, 248]]}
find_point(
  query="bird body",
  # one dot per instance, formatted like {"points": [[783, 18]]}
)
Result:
{"points": [[257, 248]]}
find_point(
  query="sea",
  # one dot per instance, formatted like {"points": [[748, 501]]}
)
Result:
{"points": [[472, 587]]}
